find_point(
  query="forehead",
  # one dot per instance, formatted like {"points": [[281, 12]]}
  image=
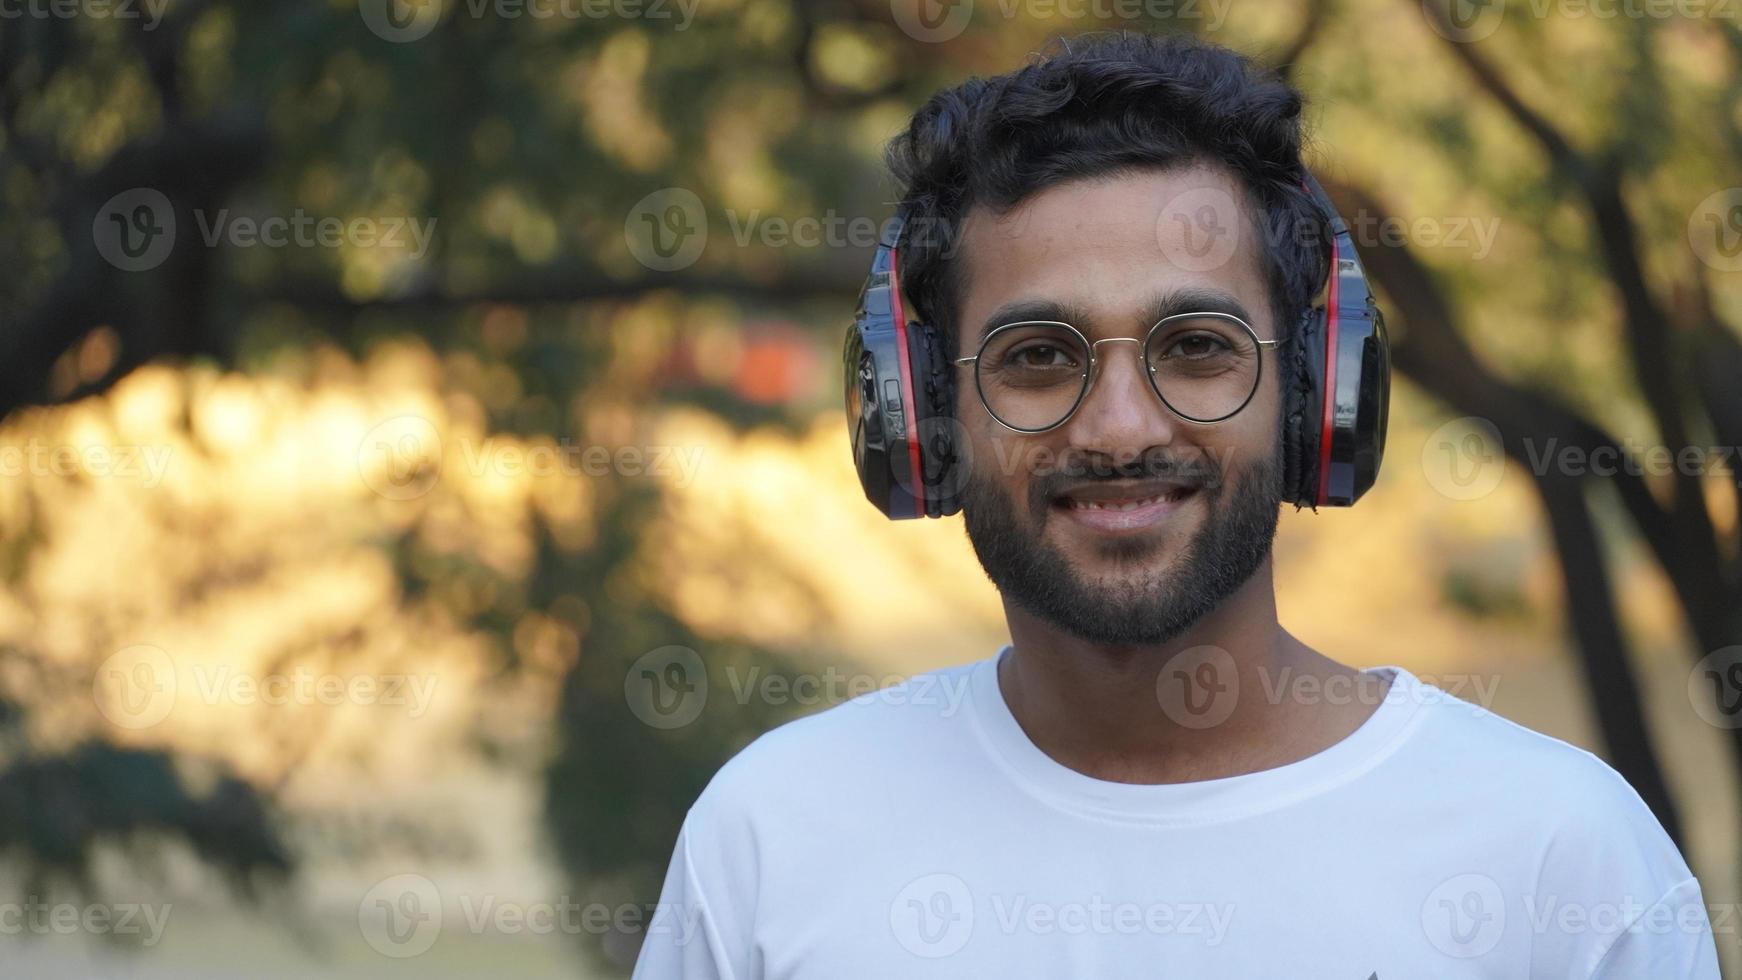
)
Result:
{"points": [[1107, 254]]}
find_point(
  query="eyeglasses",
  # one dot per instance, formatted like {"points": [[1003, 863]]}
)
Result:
{"points": [[1032, 375]]}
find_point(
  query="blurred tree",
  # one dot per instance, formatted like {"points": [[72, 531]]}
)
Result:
{"points": [[518, 144], [1683, 357]]}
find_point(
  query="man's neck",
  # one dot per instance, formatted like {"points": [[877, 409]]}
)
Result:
{"points": [[1109, 713]]}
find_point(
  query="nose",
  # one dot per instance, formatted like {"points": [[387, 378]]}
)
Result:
{"points": [[1121, 417]]}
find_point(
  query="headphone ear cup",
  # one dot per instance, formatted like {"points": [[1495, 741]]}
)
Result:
{"points": [[1302, 419], [934, 402]]}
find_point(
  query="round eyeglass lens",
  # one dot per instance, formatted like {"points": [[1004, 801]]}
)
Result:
{"points": [[1031, 375], [1204, 366]]}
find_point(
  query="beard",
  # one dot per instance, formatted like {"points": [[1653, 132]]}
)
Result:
{"points": [[1152, 602]]}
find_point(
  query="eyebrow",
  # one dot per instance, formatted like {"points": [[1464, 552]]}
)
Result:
{"points": [[1191, 299]]}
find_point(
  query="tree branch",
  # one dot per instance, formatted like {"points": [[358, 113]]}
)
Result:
{"points": [[1433, 354]]}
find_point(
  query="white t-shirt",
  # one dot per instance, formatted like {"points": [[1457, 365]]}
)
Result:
{"points": [[917, 832]]}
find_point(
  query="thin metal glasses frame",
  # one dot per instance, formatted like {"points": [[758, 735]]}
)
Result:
{"points": [[1092, 371]]}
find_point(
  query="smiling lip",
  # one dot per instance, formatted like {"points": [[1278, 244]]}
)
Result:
{"points": [[1126, 509]]}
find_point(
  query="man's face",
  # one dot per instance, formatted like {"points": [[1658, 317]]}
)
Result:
{"points": [[1128, 523]]}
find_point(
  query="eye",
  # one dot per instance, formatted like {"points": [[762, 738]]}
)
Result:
{"points": [[1196, 346], [1040, 355]]}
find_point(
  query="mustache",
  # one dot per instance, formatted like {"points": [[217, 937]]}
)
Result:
{"points": [[1073, 471]]}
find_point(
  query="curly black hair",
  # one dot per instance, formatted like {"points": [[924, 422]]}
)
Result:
{"points": [[1108, 104]]}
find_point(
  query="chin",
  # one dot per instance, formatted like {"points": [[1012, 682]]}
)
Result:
{"points": [[1123, 557], [1145, 583]]}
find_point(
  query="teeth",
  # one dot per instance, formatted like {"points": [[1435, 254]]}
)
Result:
{"points": [[1128, 505]]}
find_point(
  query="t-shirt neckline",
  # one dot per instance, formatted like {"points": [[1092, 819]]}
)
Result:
{"points": [[1200, 801]]}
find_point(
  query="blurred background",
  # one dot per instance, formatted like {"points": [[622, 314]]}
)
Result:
{"points": [[423, 462]]}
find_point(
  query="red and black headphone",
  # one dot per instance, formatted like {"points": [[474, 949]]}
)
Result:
{"points": [[900, 388]]}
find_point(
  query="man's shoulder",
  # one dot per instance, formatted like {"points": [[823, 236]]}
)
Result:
{"points": [[1564, 843], [1579, 807], [1486, 749], [899, 727]]}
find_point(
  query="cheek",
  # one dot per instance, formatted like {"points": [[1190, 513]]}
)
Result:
{"points": [[1249, 437], [998, 456], [989, 444], [968, 410], [1005, 462]]}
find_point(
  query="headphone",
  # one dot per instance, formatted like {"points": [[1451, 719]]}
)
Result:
{"points": [[900, 388]]}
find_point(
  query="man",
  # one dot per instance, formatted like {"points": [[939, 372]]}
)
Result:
{"points": [[1154, 779]]}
